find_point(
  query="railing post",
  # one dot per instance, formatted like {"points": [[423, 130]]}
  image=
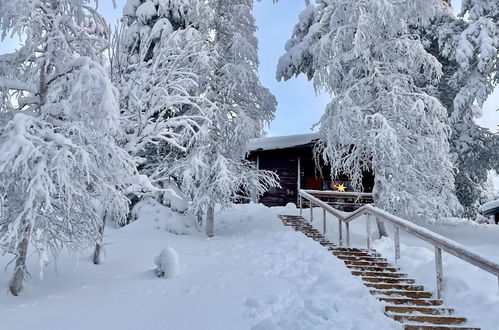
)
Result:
{"points": [[439, 271], [368, 229], [397, 244], [311, 212], [301, 204], [340, 233], [324, 221], [347, 225]]}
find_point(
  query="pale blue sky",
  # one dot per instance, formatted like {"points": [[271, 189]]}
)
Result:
{"points": [[299, 108]]}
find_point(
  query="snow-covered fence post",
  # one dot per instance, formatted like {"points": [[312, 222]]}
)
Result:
{"points": [[368, 231], [323, 221], [397, 243], [439, 271]]}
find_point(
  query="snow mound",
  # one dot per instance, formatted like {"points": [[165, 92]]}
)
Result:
{"points": [[167, 263], [163, 217]]}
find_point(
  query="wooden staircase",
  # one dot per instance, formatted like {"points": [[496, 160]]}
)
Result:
{"points": [[405, 301]]}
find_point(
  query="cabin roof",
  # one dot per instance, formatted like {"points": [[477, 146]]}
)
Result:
{"points": [[282, 142]]}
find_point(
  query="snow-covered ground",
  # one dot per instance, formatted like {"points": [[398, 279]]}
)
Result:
{"points": [[471, 291], [254, 274]]}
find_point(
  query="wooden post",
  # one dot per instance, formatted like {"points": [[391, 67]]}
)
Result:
{"points": [[340, 233], [210, 221], [298, 178], [397, 244], [368, 229], [439, 271], [347, 225], [324, 221], [301, 205]]}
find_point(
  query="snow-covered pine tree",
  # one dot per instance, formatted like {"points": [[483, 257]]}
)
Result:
{"points": [[214, 170], [59, 159], [467, 48], [382, 116], [160, 59]]}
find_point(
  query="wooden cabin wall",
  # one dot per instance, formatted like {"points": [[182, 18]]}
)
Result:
{"points": [[285, 163]]}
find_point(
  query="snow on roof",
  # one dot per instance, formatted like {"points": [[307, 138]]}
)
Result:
{"points": [[489, 208], [282, 142]]}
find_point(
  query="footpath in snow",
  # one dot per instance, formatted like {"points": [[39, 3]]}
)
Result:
{"points": [[254, 274]]}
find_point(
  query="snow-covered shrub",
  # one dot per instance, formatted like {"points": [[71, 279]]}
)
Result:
{"points": [[167, 263], [164, 218]]}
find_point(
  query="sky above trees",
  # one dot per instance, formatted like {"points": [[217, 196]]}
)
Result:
{"points": [[298, 106]]}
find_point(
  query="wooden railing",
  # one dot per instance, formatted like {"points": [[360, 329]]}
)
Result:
{"points": [[439, 242]]}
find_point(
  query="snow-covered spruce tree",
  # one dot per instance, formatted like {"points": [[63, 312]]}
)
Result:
{"points": [[382, 116], [468, 48], [58, 157], [159, 60], [214, 170]]}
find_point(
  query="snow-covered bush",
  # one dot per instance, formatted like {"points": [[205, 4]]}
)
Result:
{"points": [[167, 263], [164, 218]]}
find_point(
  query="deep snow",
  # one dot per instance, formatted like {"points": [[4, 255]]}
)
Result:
{"points": [[254, 274]]}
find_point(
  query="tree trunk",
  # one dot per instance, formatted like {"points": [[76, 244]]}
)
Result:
{"points": [[210, 221], [381, 228], [20, 271], [98, 246]]}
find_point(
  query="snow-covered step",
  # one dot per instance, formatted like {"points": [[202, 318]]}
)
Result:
{"points": [[418, 309], [360, 258], [411, 302], [402, 293], [365, 263], [375, 279], [440, 319], [378, 274], [435, 327], [392, 286], [374, 269]]}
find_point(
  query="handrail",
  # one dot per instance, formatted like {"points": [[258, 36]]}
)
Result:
{"points": [[345, 194], [438, 241]]}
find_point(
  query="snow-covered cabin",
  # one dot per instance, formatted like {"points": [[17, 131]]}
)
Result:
{"points": [[292, 158]]}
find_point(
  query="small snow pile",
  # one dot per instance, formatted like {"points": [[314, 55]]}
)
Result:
{"points": [[167, 263]]}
